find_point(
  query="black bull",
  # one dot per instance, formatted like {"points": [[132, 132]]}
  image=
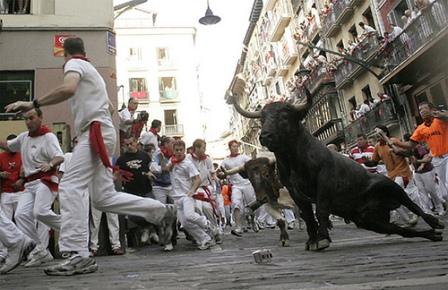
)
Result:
{"points": [[336, 184]]}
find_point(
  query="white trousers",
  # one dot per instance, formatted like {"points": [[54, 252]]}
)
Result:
{"points": [[441, 169], [426, 183], [9, 233], [242, 195], [206, 209], [194, 223], [86, 168], [264, 217], [289, 215], [35, 204], [8, 203], [112, 225], [162, 193]]}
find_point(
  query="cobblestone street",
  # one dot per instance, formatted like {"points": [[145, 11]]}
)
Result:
{"points": [[357, 259]]}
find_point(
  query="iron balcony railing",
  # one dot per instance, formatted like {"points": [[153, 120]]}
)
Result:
{"points": [[382, 113], [318, 76], [365, 50], [341, 9], [173, 130], [430, 22]]}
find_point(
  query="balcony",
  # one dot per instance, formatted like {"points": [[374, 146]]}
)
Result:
{"points": [[168, 96], [422, 38], [280, 18], [342, 10], [288, 49], [366, 50], [141, 96], [382, 114], [319, 76], [296, 5], [332, 131], [173, 130]]}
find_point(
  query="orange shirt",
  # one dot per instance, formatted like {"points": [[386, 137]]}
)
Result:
{"points": [[436, 135], [225, 191], [396, 165]]}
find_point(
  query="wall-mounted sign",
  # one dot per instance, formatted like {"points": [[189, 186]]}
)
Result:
{"points": [[111, 44], [58, 42]]}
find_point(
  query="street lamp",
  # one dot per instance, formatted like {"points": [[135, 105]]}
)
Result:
{"points": [[209, 18]]}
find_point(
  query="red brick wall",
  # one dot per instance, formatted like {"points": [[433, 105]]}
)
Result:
{"points": [[385, 8]]}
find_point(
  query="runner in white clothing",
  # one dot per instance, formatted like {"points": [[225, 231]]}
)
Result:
{"points": [[90, 163], [242, 191], [41, 154], [186, 180], [205, 196]]}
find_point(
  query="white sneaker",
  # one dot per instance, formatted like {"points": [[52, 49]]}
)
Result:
{"points": [[16, 254], [168, 248], [145, 236], [39, 258], [206, 245]]}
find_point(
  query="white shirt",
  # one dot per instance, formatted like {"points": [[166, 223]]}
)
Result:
{"points": [[64, 165], [395, 32], [368, 29], [182, 177], [148, 137], [232, 162], [90, 101], [35, 150], [125, 115], [205, 168]]}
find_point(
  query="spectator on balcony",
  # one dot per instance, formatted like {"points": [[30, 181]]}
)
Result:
{"points": [[315, 15], [438, 13], [152, 135], [363, 152], [368, 30], [351, 47], [396, 30], [364, 108]]}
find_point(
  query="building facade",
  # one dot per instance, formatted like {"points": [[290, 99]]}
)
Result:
{"points": [[158, 66], [347, 53], [32, 57]]}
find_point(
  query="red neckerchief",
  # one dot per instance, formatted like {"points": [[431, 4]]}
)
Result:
{"points": [[77, 56], [154, 131], [176, 161], [39, 132], [203, 157], [166, 152], [234, 155]]}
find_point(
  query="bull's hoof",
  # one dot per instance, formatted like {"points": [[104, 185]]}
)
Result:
{"points": [[284, 243], [434, 222], [435, 236]]}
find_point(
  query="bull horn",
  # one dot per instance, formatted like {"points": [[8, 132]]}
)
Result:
{"points": [[241, 111], [308, 102]]}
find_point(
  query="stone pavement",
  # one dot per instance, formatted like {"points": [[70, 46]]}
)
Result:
{"points": [[357, 259]]}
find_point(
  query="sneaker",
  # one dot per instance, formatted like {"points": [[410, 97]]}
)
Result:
{"points": [[166, 226], [291, 225], [237, 232], [206, 245], [168, 247], [145, 236], [16, 254], [117, 252], [39, 258], [72, 266]]}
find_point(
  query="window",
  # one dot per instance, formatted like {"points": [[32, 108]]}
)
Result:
{"points": [[438, 97], [395, 14], [353, 32], [15, 86], [367, 93], [15, 7], [138, 89], [135, 54], [369, 18], [170, 117], [163, 56], [168, 88]]}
